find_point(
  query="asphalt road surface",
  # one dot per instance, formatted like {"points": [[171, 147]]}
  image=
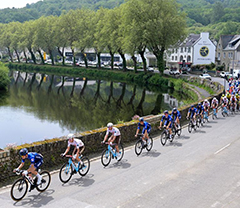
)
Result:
{"points": [[201, 169]]}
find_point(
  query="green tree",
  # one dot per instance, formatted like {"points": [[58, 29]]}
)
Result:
{"points": [[217, 12], [165, 26]]}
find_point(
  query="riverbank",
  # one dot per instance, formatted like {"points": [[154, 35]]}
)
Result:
{"points": [[4, 79]]}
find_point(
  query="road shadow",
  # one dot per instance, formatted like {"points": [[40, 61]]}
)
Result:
{"points": [[174, 144], [199, 131], [38, 200], [183, 137], [123, 164], [84, 181], [213, 121], [152, 153], [207, 126]]}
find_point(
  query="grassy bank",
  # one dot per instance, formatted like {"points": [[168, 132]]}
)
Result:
{"points": [[4, 78]]}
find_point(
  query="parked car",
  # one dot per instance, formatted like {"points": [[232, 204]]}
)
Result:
{"points": [[174, 72], [205, 76], [223, 74], [150, 69]]}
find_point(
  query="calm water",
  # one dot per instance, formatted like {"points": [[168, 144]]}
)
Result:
{"points": [[39, 106]]}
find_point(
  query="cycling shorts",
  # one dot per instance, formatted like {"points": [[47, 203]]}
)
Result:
{"points": [[148, 130], [38, 164], [166, 124]]}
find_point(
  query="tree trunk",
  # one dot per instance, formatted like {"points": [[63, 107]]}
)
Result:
{"points": [[32, 55], [74, 60], [25, 55], [40, 54], [85, 58], [9, 53], [99, 60], [61, 54], [143, 60], [160, 61], [18, 58], [135, 63], [112, 60], [51, 56], [124, 59]]}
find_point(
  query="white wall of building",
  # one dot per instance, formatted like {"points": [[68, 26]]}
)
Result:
{"points": [[204, 50]]}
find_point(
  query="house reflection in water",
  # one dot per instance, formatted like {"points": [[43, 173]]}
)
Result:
{"points": [[171, 101]]}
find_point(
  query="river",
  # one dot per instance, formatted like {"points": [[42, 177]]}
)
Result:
{"points": [[38, 106]]}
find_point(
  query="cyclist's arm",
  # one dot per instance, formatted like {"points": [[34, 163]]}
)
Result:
{"points": [[160, 124], [67, 150], [19, 167], [137, 132], [82, 149]]}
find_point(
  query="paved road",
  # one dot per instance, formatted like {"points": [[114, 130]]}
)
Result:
{"points": [[200, 169]]}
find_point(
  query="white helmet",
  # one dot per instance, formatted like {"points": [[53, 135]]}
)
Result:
{"points": [[205, 100], [70, 136], [109, 125]]}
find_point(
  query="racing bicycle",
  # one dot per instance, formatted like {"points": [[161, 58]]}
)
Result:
{"points": [[20, 186], [140, 145], [110, 153], [70, 168], [165, 135]]}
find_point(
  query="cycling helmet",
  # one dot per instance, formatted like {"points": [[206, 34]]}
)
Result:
{"points": [[70, 136], [23, 152], [174, 109], [141, 119], [199, 104], [192, 106], [205, 100], [166, 111], [110, 125]]}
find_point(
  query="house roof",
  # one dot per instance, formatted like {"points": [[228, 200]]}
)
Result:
{"points": [[233, 43], [225, 39], [190, 40]]}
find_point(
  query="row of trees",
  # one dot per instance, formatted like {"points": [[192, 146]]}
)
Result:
{"points": [[130, 28]]}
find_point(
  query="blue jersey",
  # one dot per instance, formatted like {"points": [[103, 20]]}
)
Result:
{"points": [[192, 111], [34, 157], [200, 109], [176, 115], [145, 125]]}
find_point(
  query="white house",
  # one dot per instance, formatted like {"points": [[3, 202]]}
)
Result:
{"points": [[195, 49]]}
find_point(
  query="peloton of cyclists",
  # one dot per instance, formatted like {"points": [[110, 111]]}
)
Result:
{"points": [[167, 122], [36, 160], [146, 130], [114, 138], [200, 110]]}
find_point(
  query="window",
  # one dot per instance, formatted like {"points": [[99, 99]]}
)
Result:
{"points": [[188, 58], [172, 50], [175, 58], [224, 55], [189, 50], [229, 55], [219, 55], [185, 49], [172, 58], [181, 58], [181, 50], [176, 50]]}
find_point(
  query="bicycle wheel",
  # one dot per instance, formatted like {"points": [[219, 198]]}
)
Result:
{"points": [[190, 127], [179, 130], [138, 147], [149, 144], [198, 123], [163, 138], [171, 137], [84, 167], [106, 157], [65, 172], [121, 152], [45, 182], [19, 189]]}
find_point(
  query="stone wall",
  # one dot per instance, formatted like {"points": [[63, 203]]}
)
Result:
{"points": [[52, 149]]}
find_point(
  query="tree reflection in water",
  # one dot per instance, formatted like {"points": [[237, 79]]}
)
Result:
{"points": [[80, 104]]}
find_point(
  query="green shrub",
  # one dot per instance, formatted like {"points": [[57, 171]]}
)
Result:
{"points": [[4, 78]]}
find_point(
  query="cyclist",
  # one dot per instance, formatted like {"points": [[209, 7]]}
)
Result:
{"points": [[176, 116], [146, 130], [206, 106], [221, 99], [78, 150], [232, 102], [115, 137], [237, 100], [192, 112], [200, 110], [167, 122], [215, 104], [36, 160]]}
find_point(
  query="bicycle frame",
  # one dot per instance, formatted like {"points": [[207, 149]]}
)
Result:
{"points": [[214, 111], [112, 150], [205, 114], [71, 163]]}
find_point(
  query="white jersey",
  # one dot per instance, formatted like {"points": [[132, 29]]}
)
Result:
{"points": [[207, 104], [214, 102], [76, 142], [115, 131]]}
